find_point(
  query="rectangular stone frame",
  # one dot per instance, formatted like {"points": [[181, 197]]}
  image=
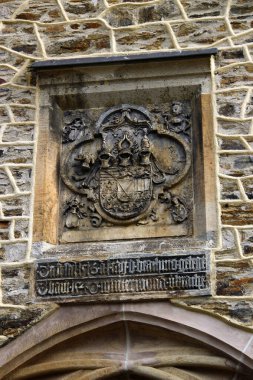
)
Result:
{"points": [[70, 84]]}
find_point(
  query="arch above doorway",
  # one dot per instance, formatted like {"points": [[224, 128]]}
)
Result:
{"points": [[155, 340]]}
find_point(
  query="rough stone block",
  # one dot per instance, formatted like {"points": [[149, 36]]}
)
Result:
{"points": [[229, 104], [244, 39], [237, 76], [14, 321], [18, 132], [11, 58], [76, 9], [23, 178], [234, 278], [226, 57], [200, 8], [4, 229], [236, 165], [5, 185], [229, 248], [246, 237], [16, 206], [124, 16], [248, 187], [23, 113], [7, 8], [241, 8], [16, 284], [234, 127], [66, 39], [4, 117], [230, 144], [240, 312], [21, 229], [10, 94], [199, 33], [241, 15], [6, 74], [16, 154], [229, 189], [13, 252], [41, 10], [150, 37], [20, 37], [237, 214]]}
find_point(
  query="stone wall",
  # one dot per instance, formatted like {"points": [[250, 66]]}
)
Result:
{"points": [[39, 30]]}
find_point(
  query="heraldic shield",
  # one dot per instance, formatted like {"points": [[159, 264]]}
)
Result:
{"points": [[125, 192]]}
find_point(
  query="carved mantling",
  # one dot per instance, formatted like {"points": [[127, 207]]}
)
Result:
{"points": [[129, 167]]}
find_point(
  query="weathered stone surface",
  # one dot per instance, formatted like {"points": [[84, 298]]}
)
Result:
{"points": [[16, 207], [23, 114], [11, 58], [21, 229], [124, 16], [65, 39], [198, 33], [241, 15], [18, 132], [83, 8], [23, 178], [5, 185], [229, 248], [234, 214], [246, 38], [13, 252], [165, 10], [226, 57], [249, 107], [113, 2], [246, 236], [229, 189], [20, 37], [6, 74], [229, 103], [233, 310], [4, 114], [234, 127], [7, 8], [16, 154], [14, 321], [248, 187], [236, 76], [234, 278], [199, 8], [4, 229], [42, 10], [236, 165], [16, 284], [148, 38], [230, 144], [11, 94]]}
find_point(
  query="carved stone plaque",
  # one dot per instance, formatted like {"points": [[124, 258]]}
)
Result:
{"points": [[126, 172], [127, 277]]}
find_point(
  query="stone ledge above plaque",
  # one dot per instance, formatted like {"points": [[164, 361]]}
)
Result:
{"points": [[126, 152]]}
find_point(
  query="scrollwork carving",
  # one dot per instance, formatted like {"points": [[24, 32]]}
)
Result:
{"points": [[117, 175]]}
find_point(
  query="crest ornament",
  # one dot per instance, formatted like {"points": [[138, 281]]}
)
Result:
{"points": [[116, 176]]}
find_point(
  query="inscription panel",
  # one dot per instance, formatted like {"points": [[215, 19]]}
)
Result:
{"points": [[124, 278]]}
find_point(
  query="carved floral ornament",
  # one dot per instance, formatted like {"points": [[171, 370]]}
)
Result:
{"points": [[122, 168]]}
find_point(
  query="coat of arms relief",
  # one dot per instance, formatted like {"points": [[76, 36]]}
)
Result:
{"points": [[127, 169]]}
